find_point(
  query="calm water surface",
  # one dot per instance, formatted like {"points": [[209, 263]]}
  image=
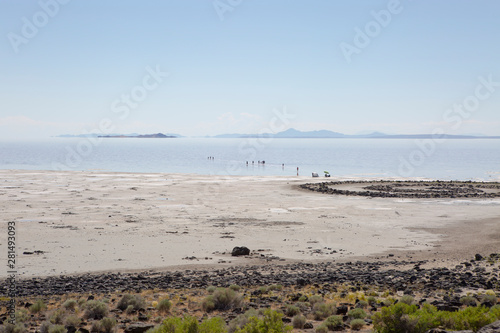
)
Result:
{"points": [[452, 159]]}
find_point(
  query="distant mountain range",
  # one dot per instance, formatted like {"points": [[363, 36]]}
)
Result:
{"points": [[142, 136], [115, 135], [294, 134]]}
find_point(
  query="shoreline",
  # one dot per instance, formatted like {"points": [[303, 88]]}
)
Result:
{"points": [[84, 222]]}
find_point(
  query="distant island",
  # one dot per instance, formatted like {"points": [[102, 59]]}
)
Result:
{"points": [[291, 133], [140, 136], [116, 135], [325, 134]]}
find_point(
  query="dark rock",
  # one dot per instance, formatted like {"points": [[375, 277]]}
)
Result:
{"points": [[308, 326], [70, 329], [439, 330], [479, 257], [240, 251], [138, 328], [491, 328], [342, 310], [447, 307]]}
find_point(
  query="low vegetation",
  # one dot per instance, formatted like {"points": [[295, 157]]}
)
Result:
{"points": [[239, 310]]}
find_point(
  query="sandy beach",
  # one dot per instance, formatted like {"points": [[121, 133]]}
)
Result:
{"points": [[99, 221]]}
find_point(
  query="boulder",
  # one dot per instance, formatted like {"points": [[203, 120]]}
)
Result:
{"points": [[491, 328], [439, 330], [138, 328], [308, 326], [240, 251]]}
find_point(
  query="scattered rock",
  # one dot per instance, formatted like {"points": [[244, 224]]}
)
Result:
{"points": [[138, 328], [491, 328], [240, 251]]}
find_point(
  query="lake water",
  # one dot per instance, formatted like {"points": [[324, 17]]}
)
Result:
{"points": [[452, 159]]}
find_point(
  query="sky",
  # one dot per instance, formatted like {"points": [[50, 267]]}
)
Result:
{"points": [[208, 67]]}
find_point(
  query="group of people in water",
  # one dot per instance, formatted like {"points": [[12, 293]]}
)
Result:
{"points": [[258, 162]]}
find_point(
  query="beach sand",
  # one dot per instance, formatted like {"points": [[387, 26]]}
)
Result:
{"points": [[102, 221]]}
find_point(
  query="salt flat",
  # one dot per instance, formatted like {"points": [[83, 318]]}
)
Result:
{"points": [[99, 221]]}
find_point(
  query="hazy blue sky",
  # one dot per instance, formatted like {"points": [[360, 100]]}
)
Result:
{"points": [[347, 66]]}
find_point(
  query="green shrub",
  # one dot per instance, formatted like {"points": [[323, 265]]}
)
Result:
{"points": [[333, 322], [208, 304], [11, 328], [276, 287], [95, 327], [72, 320], [235, 287], [95, 309], [213, 325], [316, 299], [386, 302], [471, 318], [107, 325], [211, 289], [164, 305], [70, 304], [302, 306], [263, 289], [222, 299], [371, 300], [190, 324], [135, 300], [299, 321], [402, 317], [323, 310], [362, 304], [270, 322], [489, 298], [468, 300], [38, 306], [129, 309], [357, 324], [292, 310], [22, 316], [322, 329], [357, 313], [57, 329], [57, 317], [44, 327], [241, 320], [407, 299]]}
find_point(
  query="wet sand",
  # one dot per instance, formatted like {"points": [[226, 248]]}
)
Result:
{"points": [[100, 221]]}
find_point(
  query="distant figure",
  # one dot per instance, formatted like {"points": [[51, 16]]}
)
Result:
{"points": [[297, 171], [252, 162], [283, 166], [263, 162], [247, 163]]}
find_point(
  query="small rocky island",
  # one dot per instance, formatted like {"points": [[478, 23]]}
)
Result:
{"points": [[143, 136]]}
